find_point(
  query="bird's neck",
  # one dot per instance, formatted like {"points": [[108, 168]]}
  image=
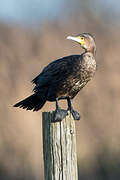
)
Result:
{"points": [[91, 50]]}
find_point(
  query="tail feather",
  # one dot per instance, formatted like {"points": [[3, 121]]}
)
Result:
{"points": [[32, 102]]}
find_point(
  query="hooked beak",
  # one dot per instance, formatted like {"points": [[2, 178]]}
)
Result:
{"points": [[78, 39]]}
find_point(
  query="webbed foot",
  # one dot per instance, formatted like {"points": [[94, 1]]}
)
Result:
{"points": [[75, 114], [60, 114]]}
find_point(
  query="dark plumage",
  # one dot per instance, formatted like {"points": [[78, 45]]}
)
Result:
{"points": [[63, 78]]}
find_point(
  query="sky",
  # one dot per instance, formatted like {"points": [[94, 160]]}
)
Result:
{"points": [[23, 11], [29, 11]]}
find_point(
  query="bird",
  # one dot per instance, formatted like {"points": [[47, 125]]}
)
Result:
{"points": [[63, 79]]}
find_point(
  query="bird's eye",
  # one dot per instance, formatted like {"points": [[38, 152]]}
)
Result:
{"points": [[82, 38]]}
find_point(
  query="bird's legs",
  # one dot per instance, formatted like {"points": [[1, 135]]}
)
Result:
{"points": [[75, 114], [60, 114]]}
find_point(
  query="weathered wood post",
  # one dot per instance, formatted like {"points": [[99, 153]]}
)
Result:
{"points": [[59, 148]]}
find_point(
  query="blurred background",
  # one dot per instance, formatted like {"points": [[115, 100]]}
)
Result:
{"points": [[32, 34]]}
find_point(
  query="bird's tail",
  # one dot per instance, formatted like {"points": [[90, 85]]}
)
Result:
{"points": [[32, 102]]}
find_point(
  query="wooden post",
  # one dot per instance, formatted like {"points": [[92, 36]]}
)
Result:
{"points": [[59, 148]]}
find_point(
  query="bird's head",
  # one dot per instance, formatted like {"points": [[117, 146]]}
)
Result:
{"points": [[86, 41]]}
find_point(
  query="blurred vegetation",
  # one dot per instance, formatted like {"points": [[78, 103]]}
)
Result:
{"points": [[23, 54]]}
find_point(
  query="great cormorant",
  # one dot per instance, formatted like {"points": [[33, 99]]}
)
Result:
{"points": [[63, 79]]}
